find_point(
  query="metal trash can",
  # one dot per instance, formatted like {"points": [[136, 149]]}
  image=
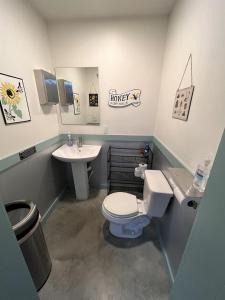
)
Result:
{"points": [[25, 219]]}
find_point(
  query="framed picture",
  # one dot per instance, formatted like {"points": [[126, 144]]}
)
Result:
{"points": [[13, 100], [182, 103], [93, 100], [76, 103]]}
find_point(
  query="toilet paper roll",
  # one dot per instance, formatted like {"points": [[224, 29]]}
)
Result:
{"points": [[142, 167], [137, 172]]}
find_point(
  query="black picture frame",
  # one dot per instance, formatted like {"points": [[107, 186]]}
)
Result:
{"points": [[93, 100], [25, 98]]}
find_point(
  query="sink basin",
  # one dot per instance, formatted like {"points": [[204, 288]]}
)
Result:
{"points": [[72, 154], [78, 157]]}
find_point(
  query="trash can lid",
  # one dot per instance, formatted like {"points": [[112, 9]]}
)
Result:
{"points": [[23, 215]]}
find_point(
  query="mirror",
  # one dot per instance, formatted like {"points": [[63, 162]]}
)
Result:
{"points": [[78, 95]]}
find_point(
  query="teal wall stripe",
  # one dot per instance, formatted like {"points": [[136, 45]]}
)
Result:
{"points": [[44, 145], [107, 137], [13, 159], [9, 161]]}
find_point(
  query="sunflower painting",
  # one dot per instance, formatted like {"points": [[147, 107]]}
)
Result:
{"points": [[13, 100]]}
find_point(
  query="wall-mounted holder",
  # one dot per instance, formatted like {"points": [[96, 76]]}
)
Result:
{"points": [[46, 87], [181, 181], [193, 204], [65, 90]]}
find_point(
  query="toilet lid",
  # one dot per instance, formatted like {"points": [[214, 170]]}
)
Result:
{"points": [[121, 204]]}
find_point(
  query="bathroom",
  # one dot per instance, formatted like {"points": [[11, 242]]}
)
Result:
{"points": [[150, 48]]}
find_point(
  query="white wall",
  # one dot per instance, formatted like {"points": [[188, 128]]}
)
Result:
{"points": [[24, 46], [196, 27], [128, 53]]}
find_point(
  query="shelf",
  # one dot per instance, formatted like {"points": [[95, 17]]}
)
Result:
{"points": [[122, 169], [124, 177], [126, 184], [128, 159], [132, 165], [128, 155], [121, 166]]}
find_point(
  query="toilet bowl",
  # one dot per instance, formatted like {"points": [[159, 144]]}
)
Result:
{"points": [[128, 215]]}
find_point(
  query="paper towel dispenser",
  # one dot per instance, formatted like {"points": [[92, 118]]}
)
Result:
{"points": [[65, 89], [46, 87]]}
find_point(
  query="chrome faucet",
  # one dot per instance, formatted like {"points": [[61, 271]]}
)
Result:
{"points": [[79, 142]]}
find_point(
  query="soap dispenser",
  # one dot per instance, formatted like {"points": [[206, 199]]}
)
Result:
{"points": [[69, 140]]}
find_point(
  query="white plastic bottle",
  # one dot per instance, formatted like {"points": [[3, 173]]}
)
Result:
{"points": [[69, 140], [201, 175]]}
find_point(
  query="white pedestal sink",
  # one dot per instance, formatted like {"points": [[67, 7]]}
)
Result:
{"points": [[78, 157]]}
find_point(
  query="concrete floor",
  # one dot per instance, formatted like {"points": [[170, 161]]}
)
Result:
{"points": [[90, 264]]}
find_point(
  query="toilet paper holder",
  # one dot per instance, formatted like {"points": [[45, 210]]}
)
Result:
{"points": [[185, 194], [193, 204], [183, 199]]}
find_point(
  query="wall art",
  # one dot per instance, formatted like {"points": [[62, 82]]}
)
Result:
{"points": [[182, 103], [184, 96], [93, 100], [132, 97], [13, 100], [76, 104]]}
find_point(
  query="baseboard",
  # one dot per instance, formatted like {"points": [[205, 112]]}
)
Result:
{"points": [[52, 206], [170, 271]]}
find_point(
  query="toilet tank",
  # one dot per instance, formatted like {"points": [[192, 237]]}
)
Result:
{"points": [[157, 193]]}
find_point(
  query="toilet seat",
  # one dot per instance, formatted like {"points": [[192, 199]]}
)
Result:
{"points": [[121, 205]]}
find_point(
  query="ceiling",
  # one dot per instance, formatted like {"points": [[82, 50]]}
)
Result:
{"points": [[53, 10]]}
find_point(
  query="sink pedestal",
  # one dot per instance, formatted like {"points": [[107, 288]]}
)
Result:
{"points": [[78, 157], [80, 179]]}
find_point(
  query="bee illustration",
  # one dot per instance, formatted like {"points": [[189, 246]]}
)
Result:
{"points": [[19, 88], [8, 115], [135, 96]]}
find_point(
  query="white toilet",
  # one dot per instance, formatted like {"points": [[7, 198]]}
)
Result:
{"points": [[128, 215]]}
